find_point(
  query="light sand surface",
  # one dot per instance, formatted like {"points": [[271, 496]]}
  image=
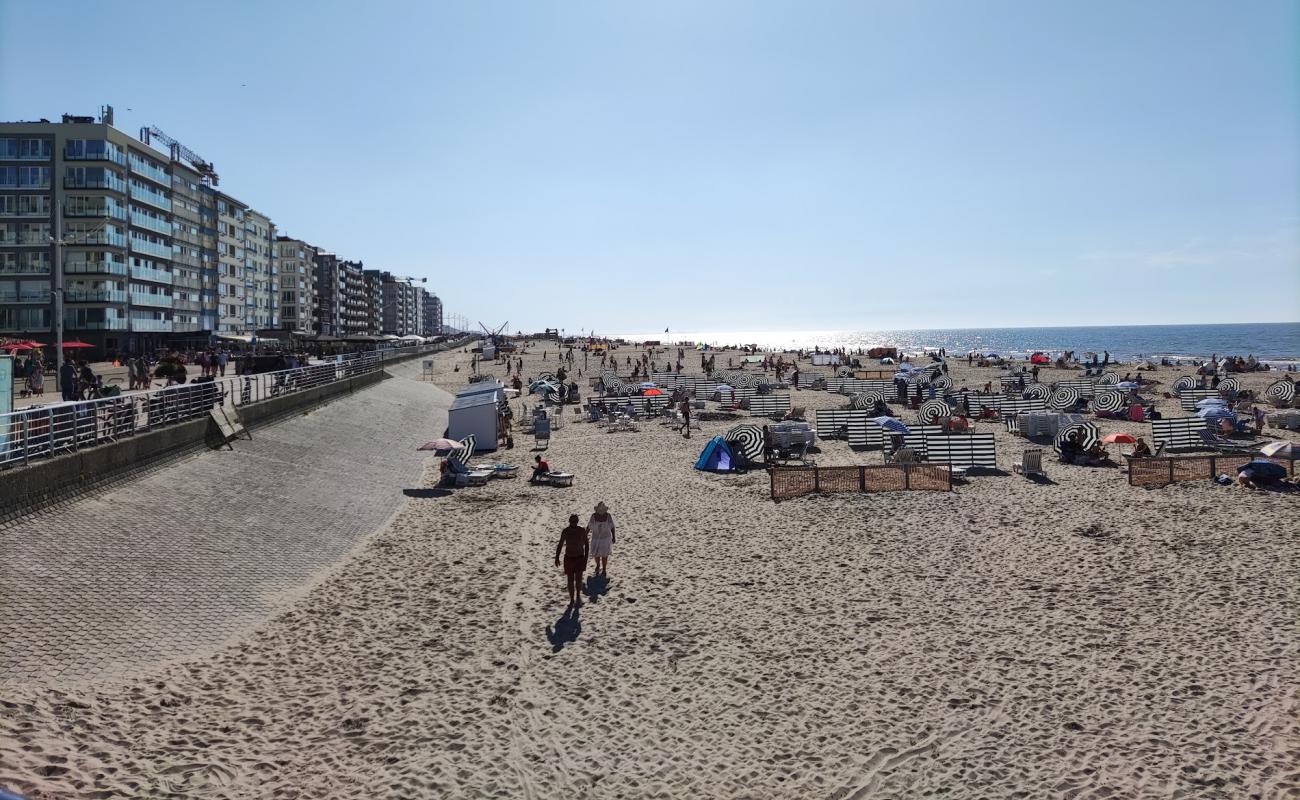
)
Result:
{"points": [[1082, 638]]}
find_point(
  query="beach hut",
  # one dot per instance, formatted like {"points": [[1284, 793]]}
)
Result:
{"points": [[474, 412]]}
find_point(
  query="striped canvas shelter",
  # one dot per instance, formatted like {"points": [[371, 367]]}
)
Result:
{"points": [[640, 405], [979, 402], [918, 438], [1020, 405], [741, 394], [704, 389], [1178, 433], [807, 379], [1086, 388], [1188, 399], [859, 386], [831, 421], [770, 405], [963, 450]]}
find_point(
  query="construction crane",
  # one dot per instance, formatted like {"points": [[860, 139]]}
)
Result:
{"points": [[180, 151]]}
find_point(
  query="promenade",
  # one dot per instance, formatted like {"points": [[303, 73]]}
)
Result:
{"points": [[178, 561]]}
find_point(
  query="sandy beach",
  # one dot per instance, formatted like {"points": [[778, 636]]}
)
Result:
{"points": [[1080, 638]]}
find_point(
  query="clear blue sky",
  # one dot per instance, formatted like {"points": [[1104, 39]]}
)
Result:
{"points": [[733, 165]]}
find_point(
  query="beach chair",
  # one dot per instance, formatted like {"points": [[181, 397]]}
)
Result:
{"points": [[542, 432], [1214, 441], [903, 455], [1031, 464]]}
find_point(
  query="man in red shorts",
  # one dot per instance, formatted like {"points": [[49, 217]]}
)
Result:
{"points": [[573, 542]]}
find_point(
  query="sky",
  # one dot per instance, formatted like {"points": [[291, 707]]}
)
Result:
{"points": [[620, 166]]}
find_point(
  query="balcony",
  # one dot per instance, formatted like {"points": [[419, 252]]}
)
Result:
{"points": [[151, 300], [72, 322], [77, 151], [24, 238], [95, 268], [25, 269], [143, 168], [147, 247], [25, 297], [79, 238], [153, 198], [151, 325], [151, 274], [27, 213], [94, 296], [112, 182], [108, 210], [151, 223]]}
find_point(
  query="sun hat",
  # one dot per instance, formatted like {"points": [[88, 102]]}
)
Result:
{"points": [[601, 508]]}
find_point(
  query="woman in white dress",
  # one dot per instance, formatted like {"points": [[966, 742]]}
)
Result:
{"points": [[601, 530]]}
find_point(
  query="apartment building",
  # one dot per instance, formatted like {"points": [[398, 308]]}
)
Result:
{"points": [[299, 296], [352, 277], [153, 255], [261, 278], [194, 254], [431, 314], [107, 198], [402, 309], [373, 292]]}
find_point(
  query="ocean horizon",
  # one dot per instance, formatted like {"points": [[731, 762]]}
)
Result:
{"points": [[1274, 342]]}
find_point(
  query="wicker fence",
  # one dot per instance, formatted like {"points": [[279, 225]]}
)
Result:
{"points": [[790, 482], [1163, 471]]}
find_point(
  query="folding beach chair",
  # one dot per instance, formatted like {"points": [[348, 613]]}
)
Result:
{"points": [[1214, 441], [1031, 463]]}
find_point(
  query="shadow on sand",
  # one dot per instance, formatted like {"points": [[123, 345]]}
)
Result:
{"points": [[566, 629], [426, 493], [597, 585]]}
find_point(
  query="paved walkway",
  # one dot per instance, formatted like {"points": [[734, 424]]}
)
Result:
{"points": [[183, 558]]}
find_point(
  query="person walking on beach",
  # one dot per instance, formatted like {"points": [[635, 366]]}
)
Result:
{"points": [[573, 543], [601, 530], [685, 408]]}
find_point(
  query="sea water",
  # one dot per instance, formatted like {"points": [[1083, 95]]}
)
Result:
{"points": [[1274, 342]]}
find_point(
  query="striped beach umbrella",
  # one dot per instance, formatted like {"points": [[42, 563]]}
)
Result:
{"points": [[1063, 398], [1085, 433], [1229, 386], [1108, 379], [1183, 384], [872, 397], [859, 401], [1038, 391], [932, 410], [465, 452], [1110, 402], [1280, 393], [748, 439], [844, 372], [942, 382]]}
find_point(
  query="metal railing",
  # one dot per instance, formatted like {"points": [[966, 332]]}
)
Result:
{"points": [[67, 427]]}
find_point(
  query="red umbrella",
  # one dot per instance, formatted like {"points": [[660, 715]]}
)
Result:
{"points": [[16, 346], [1119, 438], [652, 392], [75, 344]]}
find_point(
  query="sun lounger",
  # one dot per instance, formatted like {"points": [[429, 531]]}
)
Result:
{"points": [[1031, 463], [1214, 441]]}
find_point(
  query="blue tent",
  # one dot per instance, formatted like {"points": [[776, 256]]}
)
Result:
{"points": [[716, 456]]}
